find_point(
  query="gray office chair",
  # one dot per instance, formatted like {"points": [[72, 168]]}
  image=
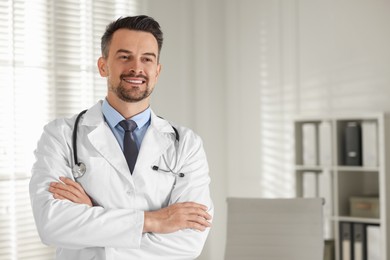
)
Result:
{"points": [[274, 229]]}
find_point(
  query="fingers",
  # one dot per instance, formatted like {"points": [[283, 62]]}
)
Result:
{"points": [[69, 190], [193, 208], [186, 215], [197, 217], [198, 223], [196, 226], [64, 190], [63, 194], [198, 220], [59, 197], [73, 184]]}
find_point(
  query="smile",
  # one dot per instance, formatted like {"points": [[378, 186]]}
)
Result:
{"points": [[135, 81]]}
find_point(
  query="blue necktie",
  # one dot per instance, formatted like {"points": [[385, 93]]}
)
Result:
{"points": [[130, 148]]}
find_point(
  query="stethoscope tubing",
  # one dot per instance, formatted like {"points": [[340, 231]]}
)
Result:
{"points": [[79, 168], [74, 136]]}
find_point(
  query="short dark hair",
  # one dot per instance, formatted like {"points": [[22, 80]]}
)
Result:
{"points": [[137, 23]]}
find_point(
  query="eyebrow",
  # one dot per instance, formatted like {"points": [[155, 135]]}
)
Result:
{"points": [[129, 52]]}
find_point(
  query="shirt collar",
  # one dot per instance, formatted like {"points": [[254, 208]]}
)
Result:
{"points": [[113, 117]]}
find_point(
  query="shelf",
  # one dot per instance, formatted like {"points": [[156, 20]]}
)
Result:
{"points": [[308, 168], [326, 151], [356, 219], [337, 168], [356, 169]]}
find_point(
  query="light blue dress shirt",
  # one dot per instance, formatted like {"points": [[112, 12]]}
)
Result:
{"points": [[113, 118]]}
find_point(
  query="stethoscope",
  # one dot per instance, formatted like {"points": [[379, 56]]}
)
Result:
{"points": [[79, 168]]}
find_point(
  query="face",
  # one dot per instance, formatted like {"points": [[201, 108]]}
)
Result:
{"points": [[132, 67]]}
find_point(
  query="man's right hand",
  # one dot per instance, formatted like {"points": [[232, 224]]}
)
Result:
{"points": [[68, 189], [176, 217]]}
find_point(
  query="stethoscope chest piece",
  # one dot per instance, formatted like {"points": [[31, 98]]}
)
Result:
{"points": [[79, 170]]}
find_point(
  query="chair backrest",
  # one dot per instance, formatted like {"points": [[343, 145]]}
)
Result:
{"points": [[270, 229]]}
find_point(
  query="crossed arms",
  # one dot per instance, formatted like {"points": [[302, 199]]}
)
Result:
{"points": [[175, 217]]}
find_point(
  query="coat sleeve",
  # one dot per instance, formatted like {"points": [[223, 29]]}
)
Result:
{"points": [[194, 186], [65, 224]]}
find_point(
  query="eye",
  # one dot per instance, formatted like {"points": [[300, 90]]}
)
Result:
{"points": [[146, 59], [124, 57]]}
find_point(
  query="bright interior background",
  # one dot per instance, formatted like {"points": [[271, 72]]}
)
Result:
{"points": [[236, 71]]}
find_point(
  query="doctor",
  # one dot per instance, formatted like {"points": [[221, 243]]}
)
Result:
{"points": [[159, 208]]}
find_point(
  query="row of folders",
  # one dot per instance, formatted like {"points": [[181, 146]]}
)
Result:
{"points": [[359, 241], [357, 144]]}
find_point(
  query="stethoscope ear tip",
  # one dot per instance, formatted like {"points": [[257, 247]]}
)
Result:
{"points": [[156, 168]]}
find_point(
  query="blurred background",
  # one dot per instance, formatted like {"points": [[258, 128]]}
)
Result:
{"points": [[236, 71]]}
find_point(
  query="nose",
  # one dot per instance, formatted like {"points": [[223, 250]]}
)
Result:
{"points": [[136, 67]]}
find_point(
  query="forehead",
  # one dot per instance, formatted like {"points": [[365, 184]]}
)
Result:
{"points": [[134, 41]]}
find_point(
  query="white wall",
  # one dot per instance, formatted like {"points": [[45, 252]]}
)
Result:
{"points": [[238, 72], [344, 55]]}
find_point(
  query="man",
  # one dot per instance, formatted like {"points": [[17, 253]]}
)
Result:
{"points": [[149, 201]]}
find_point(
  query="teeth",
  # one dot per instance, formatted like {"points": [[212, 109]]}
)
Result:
{"points": [[134, 81]]}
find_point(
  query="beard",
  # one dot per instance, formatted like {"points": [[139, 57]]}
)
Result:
{"points": [[132, 94]]}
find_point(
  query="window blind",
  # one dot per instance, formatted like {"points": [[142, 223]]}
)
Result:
{"points": [[48, 55]]}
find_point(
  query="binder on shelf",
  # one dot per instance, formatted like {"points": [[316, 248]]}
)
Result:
{"points": [[370, 143], [352, 149], [325, 192], [309, 144], [373, 242], [359, 241], [310, 184], [346, 241], [325, 143]]}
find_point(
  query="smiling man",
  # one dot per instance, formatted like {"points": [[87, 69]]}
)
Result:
{"points": [[145, 190], [131, 74]]}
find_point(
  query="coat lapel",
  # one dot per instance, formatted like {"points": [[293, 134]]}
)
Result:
{"points": [[104, 141], [158, 137]]}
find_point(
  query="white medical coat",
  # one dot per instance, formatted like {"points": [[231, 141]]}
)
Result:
{"points": [[113, 228]]}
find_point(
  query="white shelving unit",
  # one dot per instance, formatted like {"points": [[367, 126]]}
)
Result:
{"points": [[348, 181]]}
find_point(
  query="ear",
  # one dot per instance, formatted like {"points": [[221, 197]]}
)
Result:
{"points": [[158, 71], [102, 66]]}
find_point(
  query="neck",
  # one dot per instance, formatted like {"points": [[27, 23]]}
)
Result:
{"points": [[128, 109]]}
